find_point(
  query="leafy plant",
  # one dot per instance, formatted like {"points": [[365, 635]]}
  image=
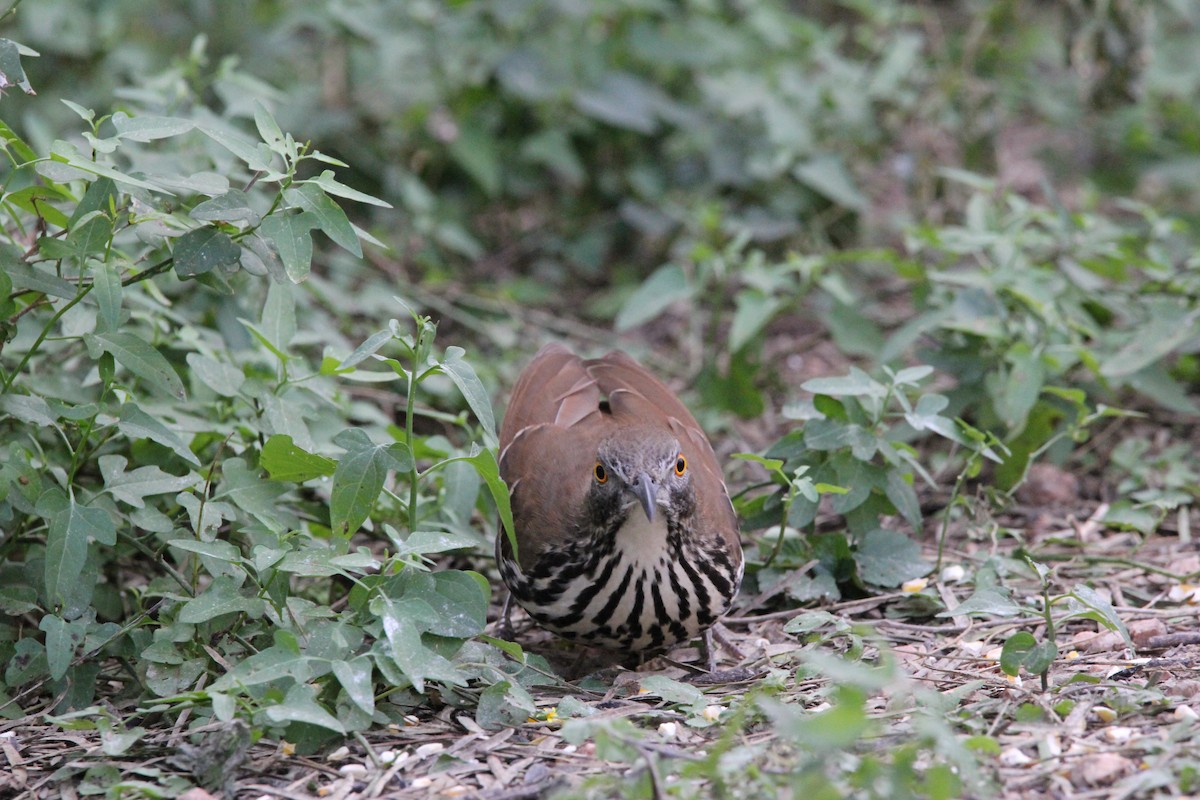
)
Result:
{"points": [[179, 490]]}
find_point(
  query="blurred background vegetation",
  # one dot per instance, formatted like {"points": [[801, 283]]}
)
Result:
{"points": [[980, 214]]}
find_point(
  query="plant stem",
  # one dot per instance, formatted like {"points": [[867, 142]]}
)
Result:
{"points": [[410, 404]]}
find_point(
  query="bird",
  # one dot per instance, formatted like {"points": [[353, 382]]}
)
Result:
{"points": [[626, 538]]}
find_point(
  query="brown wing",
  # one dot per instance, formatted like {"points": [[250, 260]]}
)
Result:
{"points": [[548, 442], [635, 395]]}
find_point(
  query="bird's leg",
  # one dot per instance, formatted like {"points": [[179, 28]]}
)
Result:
{"points": [[504, 628], [717, 633]]}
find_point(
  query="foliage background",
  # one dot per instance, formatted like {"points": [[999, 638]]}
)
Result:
{"points": [[901, 252]]}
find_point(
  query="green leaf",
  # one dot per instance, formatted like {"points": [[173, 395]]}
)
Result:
{"points": [[290, 235], [140, 358], [331, 185], [284, 461], [1169, 326], [279, 315], [754, 309], [300, 705], [327, 215], [24, 276], [476, 151], [224, 379], [888, 558], [989, 601], [221, 551], [203, 249], [149, 128], [247, 489], [855, 384], [221, 597], [404, 646], [464, 377], [132, 487], [489, 470], [904, 498], [504, 704], [827, 175], [366, 349], [1021, 385], [62, 639], [11, 71], [137, 424], [1023, 650], [1101, 610], [355, 676], [107, 292], [665, 286], [359, 477], [233, 206]]}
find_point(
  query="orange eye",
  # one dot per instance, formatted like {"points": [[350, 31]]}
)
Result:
{"points": [[601, 473], [680, 465]]}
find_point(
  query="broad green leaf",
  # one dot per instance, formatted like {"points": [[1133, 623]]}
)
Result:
{"points": [[1101, 610], [28, 408], [222, 551], [107, 292], [828, 175], [1021, 385], [224, 379], [504, 704], [993, 601], [366, 349], [203, 249], [359, 477], [284, 461], [904, 498], [621, 100], [404, 646], [137, 424], [268, 128], [149, 128], [61, 640], [300, 705], [889, 558], [672, 691], [67, 153], [10, 66], [332, 186], [464, 377], [1170, 325], [290, 235], [233, 206], [665, 286], [457, 607], [476, 151], [1023, 650], [24, 276], [249, 491], [140, 358], [855, 384], [134, 486], [769, 464], [222, 596], [489, 470], [279, 315], [71, 525], [328, 215], [753, 310], [356, 678], [245, 149]]}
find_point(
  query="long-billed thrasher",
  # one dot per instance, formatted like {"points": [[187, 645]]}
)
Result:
{"points": [[626, 537]]}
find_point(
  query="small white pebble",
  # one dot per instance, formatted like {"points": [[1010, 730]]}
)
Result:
{"points": [[994, 654], [1072, 655], [818, 708], [1118, 734], [411, 719], [972, 649], [1015, 680], [761, 643], [668, 730], [1050, 747], [952, 574], [1013, 757], [570, 748], [423, 782], [429, 749], [915, 585], [1104, 713], [713, 713], [354, 770], [8, 735], [1184, 593], [339, 754], [1186, 713], [387, 757]]}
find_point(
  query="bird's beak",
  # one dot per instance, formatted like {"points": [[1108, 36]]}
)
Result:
{"points": [[645, 489]]}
